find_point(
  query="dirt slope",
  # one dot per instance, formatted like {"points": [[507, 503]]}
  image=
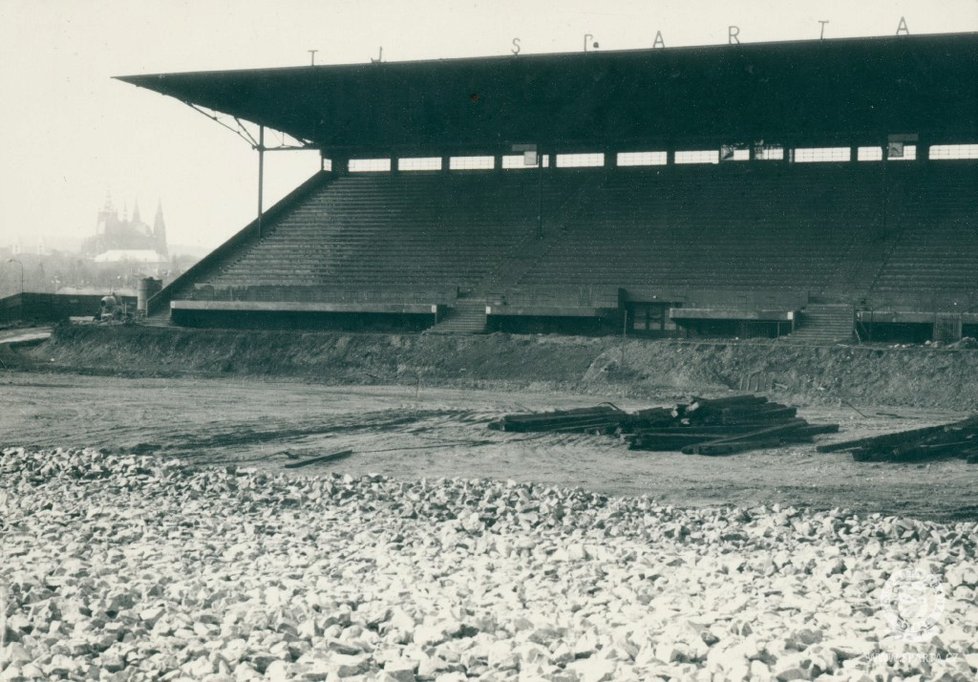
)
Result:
{"points": [[922, 377]]}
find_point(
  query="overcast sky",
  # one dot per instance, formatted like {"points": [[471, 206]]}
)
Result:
{"points": [[71, 133]]}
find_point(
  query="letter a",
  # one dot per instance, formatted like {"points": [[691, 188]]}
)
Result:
{"points": [[659, 42], [902, 28]]}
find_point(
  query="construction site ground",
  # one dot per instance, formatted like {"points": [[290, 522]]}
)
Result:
{"points": [[413, 432]]}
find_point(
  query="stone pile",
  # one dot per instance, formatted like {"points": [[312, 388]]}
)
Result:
{"points": [[120, 567]]}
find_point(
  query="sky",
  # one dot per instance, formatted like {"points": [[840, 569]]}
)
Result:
{"points": [[72, 134]]}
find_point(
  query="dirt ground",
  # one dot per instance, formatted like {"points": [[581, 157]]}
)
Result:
{"points": [[647, 369], [441, 432]]}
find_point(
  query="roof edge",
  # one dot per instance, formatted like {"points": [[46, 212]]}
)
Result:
{"points": [[138, 79]]}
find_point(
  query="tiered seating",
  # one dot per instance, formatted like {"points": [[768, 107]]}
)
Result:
{"points": [[936, 220], [407, 230], [736, 227], [848, 230]]}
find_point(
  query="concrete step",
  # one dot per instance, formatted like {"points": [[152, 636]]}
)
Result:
{"points": [[824, 323], [466, 317]]}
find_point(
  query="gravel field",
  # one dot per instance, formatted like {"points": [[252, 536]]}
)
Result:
{"points": [[126, 567]]}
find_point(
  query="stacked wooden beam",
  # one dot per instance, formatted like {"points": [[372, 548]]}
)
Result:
{"points": [[604, 418], [726, 426], [722, 426], [957, 439]]}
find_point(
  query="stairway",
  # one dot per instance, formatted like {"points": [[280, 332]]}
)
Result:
{"points": [[468, 316], [824, 323]]}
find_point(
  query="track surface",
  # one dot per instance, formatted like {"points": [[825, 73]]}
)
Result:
{"points": [[442, 432]]}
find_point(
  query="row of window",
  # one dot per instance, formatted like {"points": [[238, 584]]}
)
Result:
{"points": [[898, 152]]}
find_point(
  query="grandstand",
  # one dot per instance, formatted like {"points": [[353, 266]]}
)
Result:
{"points": [[817, 189]]}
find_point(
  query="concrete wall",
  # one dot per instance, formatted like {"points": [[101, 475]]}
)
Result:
{"points": [[34, 307]]}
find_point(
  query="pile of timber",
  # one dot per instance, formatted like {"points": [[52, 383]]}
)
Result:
{"points": [[957, 439], [723, 426], [726, 426], [604, 418]]}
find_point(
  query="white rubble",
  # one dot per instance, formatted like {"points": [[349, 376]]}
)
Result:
{"points": [[131, 568]]}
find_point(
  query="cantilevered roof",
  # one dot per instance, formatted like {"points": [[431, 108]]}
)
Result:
{"points": [[849, 89]]}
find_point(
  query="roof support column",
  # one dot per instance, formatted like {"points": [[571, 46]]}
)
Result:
{"points": [[540, 192], [261, 174]]}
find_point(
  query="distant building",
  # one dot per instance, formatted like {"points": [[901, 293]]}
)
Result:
{"points": [[134, 256], [119, 239]]}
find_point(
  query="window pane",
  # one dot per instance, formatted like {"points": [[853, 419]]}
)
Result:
{"points": [[870, 154], [909, 153], [579, 160], [517, 161], [367, 165], [471, 163], [698, 156], [769, 153], [822, 154], [642, 158], [954, 151], [427, 163]]}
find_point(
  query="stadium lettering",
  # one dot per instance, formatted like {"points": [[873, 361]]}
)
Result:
{"points": [[594, 43], [902, 27], [822, 22], [732, 33], [380, 56], [516, 46], [659, 42]]}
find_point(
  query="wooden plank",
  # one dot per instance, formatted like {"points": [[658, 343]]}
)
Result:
{"points": [[731, 448], [667, 442], [932, 451], [730, 401], [331, 457], [560, 420], [760, 434], [878, 441], [708, 430], [577, 423], [818, 429], [774, 415]]}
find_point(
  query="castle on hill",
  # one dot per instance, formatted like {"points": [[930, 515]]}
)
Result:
{"points": [[127, 238]]}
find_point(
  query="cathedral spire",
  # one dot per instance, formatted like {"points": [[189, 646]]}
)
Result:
{"points": [[159, 228], [106, 215], [158, 224]]}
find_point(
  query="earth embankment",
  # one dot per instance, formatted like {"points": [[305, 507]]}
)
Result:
{"points": [[867, 375]]}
